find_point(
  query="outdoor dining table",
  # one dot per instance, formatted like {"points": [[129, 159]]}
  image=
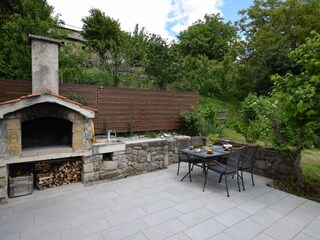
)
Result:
{"points": [[218, 153]]}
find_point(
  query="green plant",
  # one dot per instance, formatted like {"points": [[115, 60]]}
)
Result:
{"points": [[190, 122], [150, 134], [131, 126], [200, 121], [77, 98], [197, 146], [208, 127], [212, 138]]}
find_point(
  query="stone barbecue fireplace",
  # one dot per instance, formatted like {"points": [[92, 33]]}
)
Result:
{"points": [[43, 125]]}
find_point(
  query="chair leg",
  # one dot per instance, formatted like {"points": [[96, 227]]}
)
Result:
{"points": [[205, 178], [225, 176], [252, 178], [220, 178], [178, 168], [238, 182], [242, 180], [190, 169]]}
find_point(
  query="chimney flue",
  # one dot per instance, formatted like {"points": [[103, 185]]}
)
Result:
{"points": [[45, 64]]}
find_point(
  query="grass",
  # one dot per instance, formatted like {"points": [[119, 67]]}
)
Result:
{"points": [[218, 104], [230, 134], [310, 165]]}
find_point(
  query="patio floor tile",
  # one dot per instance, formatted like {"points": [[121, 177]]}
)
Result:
{"points": [[244, 230], [231, 217], [221, 236], [205, 230], [158, 205], [84, 230], [197, 216], [283, 230], [161, 216], [266, 217], [124, 230], [313, 229], [164, 230]]}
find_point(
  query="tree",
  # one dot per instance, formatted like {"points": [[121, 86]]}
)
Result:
{"points": [[160, 61], [18, 19], [272, 29], [210, 37], [290, 116], [105, 37]]}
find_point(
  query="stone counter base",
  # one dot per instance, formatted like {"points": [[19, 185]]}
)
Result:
{"points": [[137, 158]]}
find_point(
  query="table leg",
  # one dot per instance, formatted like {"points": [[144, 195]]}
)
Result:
{"points": [[188, 173]]}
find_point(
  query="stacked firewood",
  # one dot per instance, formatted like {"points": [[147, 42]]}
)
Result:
{"points": [[57, 173]]}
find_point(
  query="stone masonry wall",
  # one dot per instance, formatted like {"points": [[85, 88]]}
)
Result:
{"points": [[3, 167], [269, 162], [138, 158]]}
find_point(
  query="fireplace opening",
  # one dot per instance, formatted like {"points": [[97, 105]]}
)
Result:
{"points": [[46, 132]]}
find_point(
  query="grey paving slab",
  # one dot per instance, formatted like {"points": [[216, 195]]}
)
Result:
{"points": [[283, 230], [252, 206], [51, 230], [221, 236], [158, 205], [178, 236], [232, 217], [161, 216], [300, 217], [136, 236], [125, 206], [221, 206], [197, 216], [313, 229], [164, 230], [244, 230], [56, 216], [90, 216], [84, 230], [96, 236], [125, 230], [263, 236], [13, 236], [266, 217], [127, 216], [205, 230], [303, 236]]}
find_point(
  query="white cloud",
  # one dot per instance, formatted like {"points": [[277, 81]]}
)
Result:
{"points": [[163, 17], [186, 12]]}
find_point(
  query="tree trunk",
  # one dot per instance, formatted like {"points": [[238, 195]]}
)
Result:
{"points": [[296, 158]]}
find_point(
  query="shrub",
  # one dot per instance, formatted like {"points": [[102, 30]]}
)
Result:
{"points": [[200, 121]]}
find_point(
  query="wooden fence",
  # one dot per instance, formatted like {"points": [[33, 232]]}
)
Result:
{"points": [[121, 109]]}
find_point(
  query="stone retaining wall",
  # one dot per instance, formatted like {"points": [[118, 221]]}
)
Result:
{"points": [[269, 162], [138, 158]]}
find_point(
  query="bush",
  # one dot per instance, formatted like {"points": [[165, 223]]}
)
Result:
{"points": [[256, 124], [200, 122]]}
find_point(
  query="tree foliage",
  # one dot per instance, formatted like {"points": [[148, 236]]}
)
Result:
{"points": [[210, 37], [289, 118], [18, 19], [106, 39], [272, 29], [298, 97]]}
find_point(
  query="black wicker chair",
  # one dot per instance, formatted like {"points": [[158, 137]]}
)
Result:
{"points": [[230, 168], [184, 143], [247, 162]]}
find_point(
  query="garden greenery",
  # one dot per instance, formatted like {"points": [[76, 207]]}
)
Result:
{"points": [[201, 121]]}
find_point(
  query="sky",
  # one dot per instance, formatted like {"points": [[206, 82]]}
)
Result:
{"points": [[162, 17]]}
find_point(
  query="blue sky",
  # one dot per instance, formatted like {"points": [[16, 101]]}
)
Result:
{"points": [[163, 17], [232, 7]]}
